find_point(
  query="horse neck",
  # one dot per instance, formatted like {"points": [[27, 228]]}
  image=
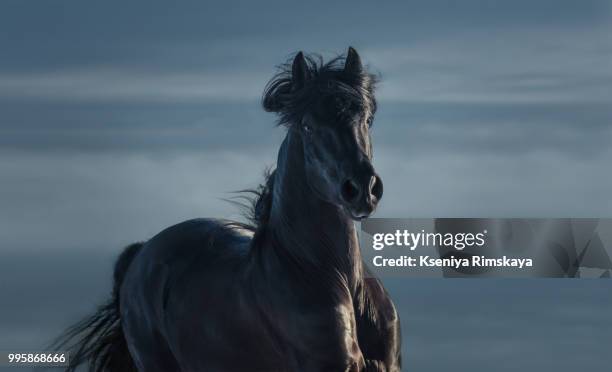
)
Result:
{"points": [[307, 231]]}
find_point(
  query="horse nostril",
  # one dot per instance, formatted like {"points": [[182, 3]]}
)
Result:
{"points": [[376, 187], [350, 191]]}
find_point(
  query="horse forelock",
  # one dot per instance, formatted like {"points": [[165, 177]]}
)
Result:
{"points": [[324, 79]]}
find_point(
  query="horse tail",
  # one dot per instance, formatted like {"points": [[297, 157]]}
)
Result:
{"points": [[98, 339]]}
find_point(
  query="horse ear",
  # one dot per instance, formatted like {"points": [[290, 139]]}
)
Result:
{"points": [[299, 71], [353, 62]]}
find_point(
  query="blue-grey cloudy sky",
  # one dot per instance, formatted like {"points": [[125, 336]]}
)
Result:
{"points": [[120, 118]]}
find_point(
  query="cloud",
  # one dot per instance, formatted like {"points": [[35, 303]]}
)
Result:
{"points": [[75, 201], [530, 324], [533, 65], [104, 85], [553, 64], [534, 184]]}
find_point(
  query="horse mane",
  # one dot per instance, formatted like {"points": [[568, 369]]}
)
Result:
{"points": [[323, 79], [258, 212], [255, 204]]}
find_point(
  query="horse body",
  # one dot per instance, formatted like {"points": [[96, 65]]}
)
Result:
{"points": [[288, 294], [214, 299]]}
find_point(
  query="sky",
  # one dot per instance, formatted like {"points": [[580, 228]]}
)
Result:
{"points": [[118, 119]]}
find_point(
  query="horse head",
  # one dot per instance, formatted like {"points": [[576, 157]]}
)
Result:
{"points": [[330, 109]]}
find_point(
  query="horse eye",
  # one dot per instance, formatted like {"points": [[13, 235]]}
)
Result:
{"points": [[306, 128], [369, 121]]}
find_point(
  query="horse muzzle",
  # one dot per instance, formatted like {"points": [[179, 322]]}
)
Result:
{"points": [[360, 195]]}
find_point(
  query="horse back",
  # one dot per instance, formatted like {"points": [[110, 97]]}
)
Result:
{"points": [[193, 245]]}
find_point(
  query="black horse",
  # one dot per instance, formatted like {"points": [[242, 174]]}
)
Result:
{"points": [[289, 293]]}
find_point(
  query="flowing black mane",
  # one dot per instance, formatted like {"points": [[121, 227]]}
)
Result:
{"points": [[259, 203], [323, 80]]}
